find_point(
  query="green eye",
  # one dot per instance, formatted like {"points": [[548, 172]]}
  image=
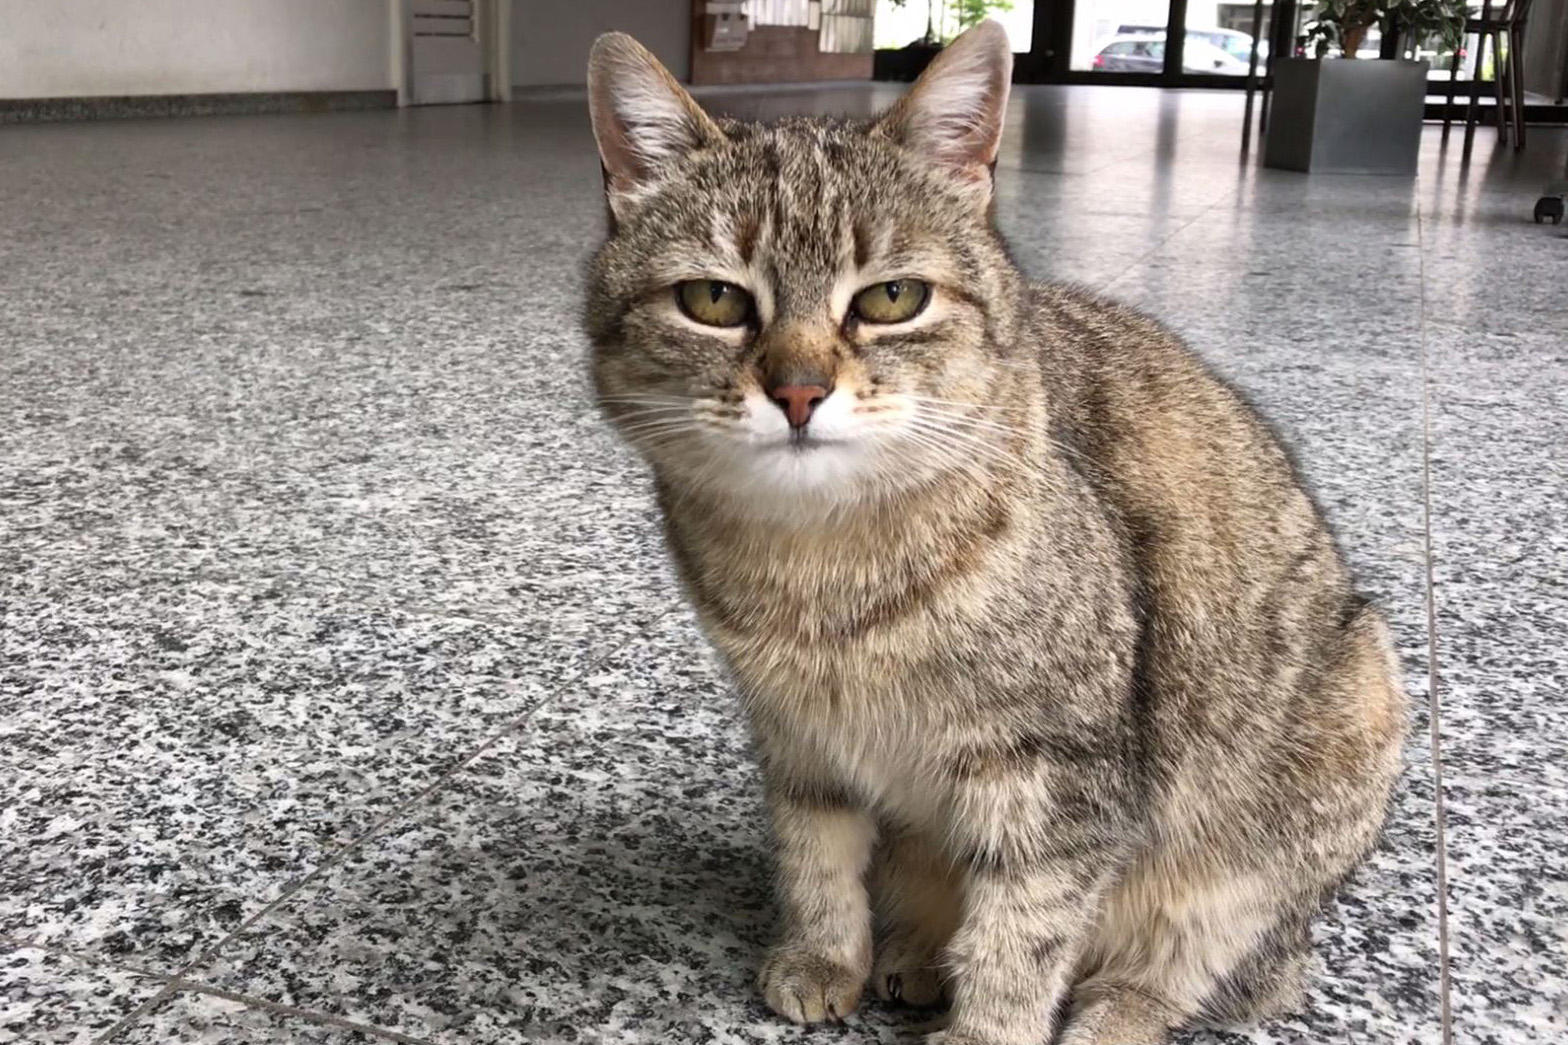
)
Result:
{"points": [[892, 302], [712, 302]]}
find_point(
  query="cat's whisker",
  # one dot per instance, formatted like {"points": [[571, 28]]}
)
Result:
{"points": [[945, 451], [948, 413], [638, 416], [969, 440], [981, 425], [991, 407], [656, 436], [648, 433], [645, 397], [988, 433], [970, 424], [657, 422]]}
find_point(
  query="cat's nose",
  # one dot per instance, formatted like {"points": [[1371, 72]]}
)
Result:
{"points": [[798, 401]]}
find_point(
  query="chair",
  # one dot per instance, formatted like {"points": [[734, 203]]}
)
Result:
{"points": [[1507, 73]]}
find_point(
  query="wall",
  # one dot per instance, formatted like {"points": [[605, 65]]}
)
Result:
{"points": [[86, 48], [550, 38]]}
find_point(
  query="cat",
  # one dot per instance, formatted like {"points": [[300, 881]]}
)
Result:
{"points": [[1067, 711]]}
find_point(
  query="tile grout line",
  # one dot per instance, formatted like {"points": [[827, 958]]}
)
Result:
{"points": [[1105, 287], [176, 984], [177, 981], [308, 1015], [1435, 713]]}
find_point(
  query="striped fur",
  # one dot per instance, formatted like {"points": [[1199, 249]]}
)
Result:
{"points": [[1059, 684]]}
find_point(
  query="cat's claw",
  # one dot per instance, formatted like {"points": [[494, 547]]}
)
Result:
{"points": [[919, 988], [809, 988], [909, 975]]}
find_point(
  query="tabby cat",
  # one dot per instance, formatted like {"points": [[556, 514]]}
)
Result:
{"points": [[1067, 712]]}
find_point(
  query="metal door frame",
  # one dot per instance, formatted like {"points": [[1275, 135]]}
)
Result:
{"points": [[1051, 52]]}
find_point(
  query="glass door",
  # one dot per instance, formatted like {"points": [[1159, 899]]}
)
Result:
{"points": [[1119, 36], [1172, 43], [1166, 42]]}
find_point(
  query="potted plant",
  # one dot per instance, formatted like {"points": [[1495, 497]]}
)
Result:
{"points": [[1343, 112]]}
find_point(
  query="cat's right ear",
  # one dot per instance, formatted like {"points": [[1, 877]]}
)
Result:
{"points": [[642, 118], [953, 114]]}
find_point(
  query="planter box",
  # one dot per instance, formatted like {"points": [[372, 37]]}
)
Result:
{"points": [[1346, 115]]}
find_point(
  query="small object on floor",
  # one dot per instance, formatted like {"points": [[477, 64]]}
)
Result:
{"points": [[1549, 207]]}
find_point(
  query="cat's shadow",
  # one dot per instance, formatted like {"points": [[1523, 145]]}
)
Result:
{"points": [[680, 900]]}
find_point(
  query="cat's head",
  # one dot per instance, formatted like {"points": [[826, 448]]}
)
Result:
{"points": [[809, 312]]}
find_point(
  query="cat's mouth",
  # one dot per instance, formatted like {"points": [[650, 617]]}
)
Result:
{"points": [[802, 441]]}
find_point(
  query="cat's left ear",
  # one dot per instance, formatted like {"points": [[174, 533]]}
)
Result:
{"points": [[642, 118], [953, 114]]}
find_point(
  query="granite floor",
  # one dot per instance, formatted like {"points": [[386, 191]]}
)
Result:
{"points": [[345, 695]]}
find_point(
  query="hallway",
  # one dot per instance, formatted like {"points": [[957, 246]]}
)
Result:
{"points": [[346, 695]]}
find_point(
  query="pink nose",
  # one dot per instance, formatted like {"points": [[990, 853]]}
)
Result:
{"points": [[798, 401]]}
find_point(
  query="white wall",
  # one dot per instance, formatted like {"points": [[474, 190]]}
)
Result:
{"points": [[80, 48], [550, 38]]}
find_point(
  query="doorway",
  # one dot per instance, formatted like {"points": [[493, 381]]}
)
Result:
{"points": [[1164, 43], [1156, 43], [455, 51]]}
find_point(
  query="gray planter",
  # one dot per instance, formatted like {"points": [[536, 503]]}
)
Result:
{"points": [[1346, 115]]}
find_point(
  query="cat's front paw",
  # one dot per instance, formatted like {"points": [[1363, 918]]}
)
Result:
{"points": [[806, 987]]}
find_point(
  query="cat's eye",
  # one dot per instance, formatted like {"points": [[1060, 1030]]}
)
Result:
{"points": [[893, 301], [714, 302]]}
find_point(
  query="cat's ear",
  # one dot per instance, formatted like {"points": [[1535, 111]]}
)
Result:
{"points": [[953, 114], [641, 117]]}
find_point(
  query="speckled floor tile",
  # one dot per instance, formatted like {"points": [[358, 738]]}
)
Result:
{"points": [[1490, 271], [194, 1018], [604, 876], [1501, 570], [178, 766], [485, 511], [601, 877], [1508, 908], [47, 998], [294, 516], [302, 500]]}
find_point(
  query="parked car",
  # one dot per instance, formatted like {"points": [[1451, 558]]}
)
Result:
{"points": [[1146, 54], [1132, 54], [1201, 56], [1233, 42]]}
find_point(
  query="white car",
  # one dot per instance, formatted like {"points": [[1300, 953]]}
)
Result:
{"points": [[1200, 56], [1145, 53]]}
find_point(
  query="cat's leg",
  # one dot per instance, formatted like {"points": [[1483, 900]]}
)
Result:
{"points": [[918, 895], [1215, 928], [1105, 1013], [818, 968], [1039, 845], [1174, 944]]}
